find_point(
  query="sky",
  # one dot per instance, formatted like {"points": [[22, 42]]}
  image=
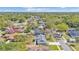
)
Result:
{"points": [[39, 9]]}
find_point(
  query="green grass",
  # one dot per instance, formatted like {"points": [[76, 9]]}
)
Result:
{"points": [[61, 48], [75, 45], [53, 47], [66, 36], [13, 46], [50, 38]]}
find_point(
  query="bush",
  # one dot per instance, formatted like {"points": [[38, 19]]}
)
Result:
{"points": [[72, 45]]}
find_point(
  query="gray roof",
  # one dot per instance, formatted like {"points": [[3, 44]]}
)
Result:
{"points": [[37, 17], [40, 39], [38, 31]]}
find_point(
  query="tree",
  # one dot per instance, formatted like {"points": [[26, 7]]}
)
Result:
{"points": [[62, 26]]}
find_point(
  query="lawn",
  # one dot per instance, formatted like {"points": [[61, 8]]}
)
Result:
{"points": [[75, 45], [60, 47], [53, 47], [50, 38], [13, 46], [66, 36]]}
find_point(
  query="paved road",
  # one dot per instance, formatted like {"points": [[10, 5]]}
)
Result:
{"points": [[64, 45]]}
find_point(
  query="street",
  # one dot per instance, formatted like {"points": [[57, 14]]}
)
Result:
{"points": [[64, 45]]}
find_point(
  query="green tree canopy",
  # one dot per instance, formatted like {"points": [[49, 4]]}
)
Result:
{"points": [[62, 26]]}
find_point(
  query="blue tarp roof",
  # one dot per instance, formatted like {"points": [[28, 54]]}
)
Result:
{"points": [[74, 33]]}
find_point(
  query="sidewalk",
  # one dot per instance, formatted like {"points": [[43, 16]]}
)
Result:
{"points": [[53, 43]]}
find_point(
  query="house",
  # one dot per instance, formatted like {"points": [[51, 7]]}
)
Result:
{"points": [[38, 32], [18, 24], [57, 35], [42, 23], [41, 27], [13, 29], [9, 37], [9, 30], [39, 37], [37, 17], [73, 33]]}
